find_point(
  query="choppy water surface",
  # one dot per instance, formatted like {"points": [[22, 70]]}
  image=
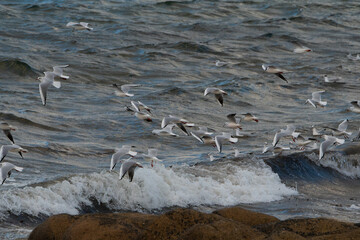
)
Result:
{"points": [[169, 47]]}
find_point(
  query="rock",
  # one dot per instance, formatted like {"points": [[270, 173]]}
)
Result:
{"points": [[228, 223], [309, 227], [173, 223], [222, 229], [53, 228], [285, 235], [246, 216]]}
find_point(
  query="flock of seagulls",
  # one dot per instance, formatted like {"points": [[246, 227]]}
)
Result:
{"points": [[126, 154]]}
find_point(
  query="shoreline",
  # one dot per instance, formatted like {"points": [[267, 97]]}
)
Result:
{"points": [[184, 223]]}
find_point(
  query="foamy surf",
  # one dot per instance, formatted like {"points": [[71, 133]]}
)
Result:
{"points": [[151, 189]]}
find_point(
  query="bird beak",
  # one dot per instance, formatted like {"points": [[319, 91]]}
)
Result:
{"points": [[256, 120]]}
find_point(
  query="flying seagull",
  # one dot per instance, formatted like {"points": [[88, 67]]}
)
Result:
{"points": [[217, 92], [277, 71], [125, 150], [7, 130], [316, 99], [123, 90], [11, 148], [79, 25], [5, 170], [128, 167]]}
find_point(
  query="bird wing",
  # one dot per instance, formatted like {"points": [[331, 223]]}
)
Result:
{"points": [[311, 102], [181, 126], [135, 105], [356, 104], [277, 138], [165, 122], [84, 24], [231, 117], [114, 161], [43, 87], [324, 146], [290, 128], [169, 128], [152, 152], [208, 90], [316, 96], [4, 171], [49, 76], [220, 99], [343, 126], [281, 76], [125, 167], [70, 24], [218, 142], [197, 137], [3, 151], [144, 106], [8, 134], [126, 87], [57, 70]]}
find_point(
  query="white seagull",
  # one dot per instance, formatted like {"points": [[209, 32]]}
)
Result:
{"points": [[45, 83], [140, 115], [151, 156], [332, 79], [5, 170], [217, 92], [7, 130], [219, 63], [125, 150], [12, 148], [277, 71], [79, 25], [351, 57], [221, 139], [302, 49], [289, 131], [249, 117], [275, 150], [329, 142], [341, 130], [128, 167], [178, 121], [123, 90], [316, 99], [166, 131], [355, 106]]}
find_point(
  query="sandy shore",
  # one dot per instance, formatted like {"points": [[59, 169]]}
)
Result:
{"points": [[227, 223]]}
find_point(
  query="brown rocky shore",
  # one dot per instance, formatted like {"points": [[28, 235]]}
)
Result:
{"points": [[228, 223]]}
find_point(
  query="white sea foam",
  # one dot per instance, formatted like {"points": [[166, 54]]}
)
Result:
{"points": [[151, 189]]}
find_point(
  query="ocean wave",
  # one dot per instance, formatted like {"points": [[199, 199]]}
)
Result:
{"points": [[25, 121], [307, 167], [18, 67], [151, 189]]}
